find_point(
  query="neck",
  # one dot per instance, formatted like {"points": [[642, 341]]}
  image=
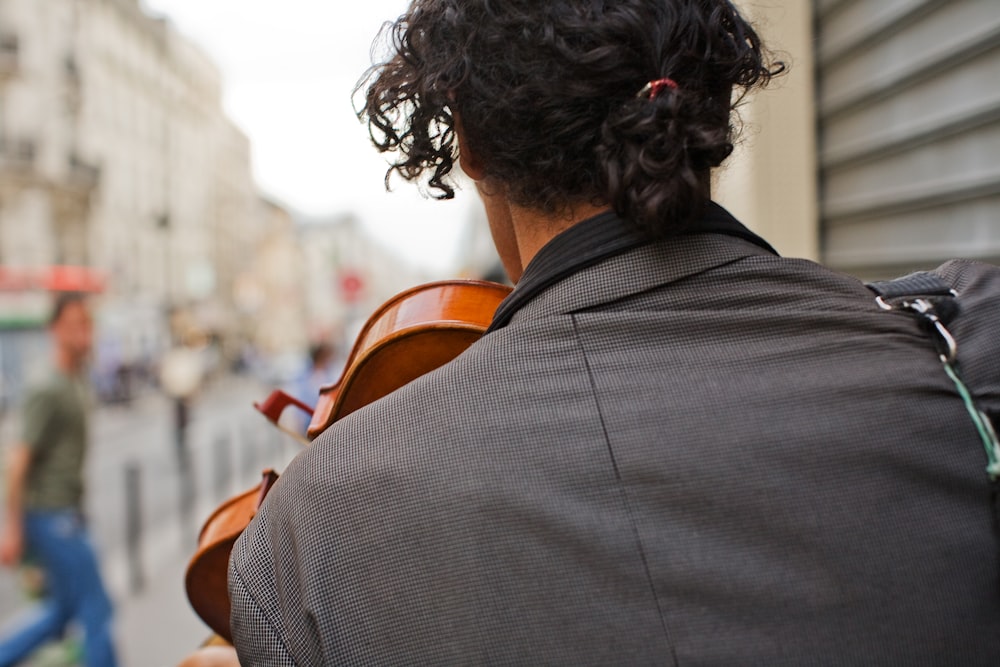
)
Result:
{"points": [[533, 228], [519, 232], [68, 363]]}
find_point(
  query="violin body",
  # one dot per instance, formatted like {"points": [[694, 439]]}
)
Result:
{"points": [[411, 334], [206, 578]]}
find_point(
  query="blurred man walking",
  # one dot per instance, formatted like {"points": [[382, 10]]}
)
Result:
{"points": [[44, 500]]}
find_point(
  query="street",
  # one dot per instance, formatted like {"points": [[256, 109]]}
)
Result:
{"points": [[145, 519]]}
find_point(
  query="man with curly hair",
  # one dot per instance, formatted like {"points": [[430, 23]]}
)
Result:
{"points": [[672, 446]]}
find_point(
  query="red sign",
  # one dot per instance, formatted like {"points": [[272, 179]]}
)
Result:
{"points": [[351, 286]]}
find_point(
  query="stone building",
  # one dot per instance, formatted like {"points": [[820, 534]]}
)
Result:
{"points": [[350, 275], [115, 154], [271, 296]]}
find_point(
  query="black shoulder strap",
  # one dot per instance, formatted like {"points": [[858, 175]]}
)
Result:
{"points": [[922, 283], [917, 292], [935, 304]]}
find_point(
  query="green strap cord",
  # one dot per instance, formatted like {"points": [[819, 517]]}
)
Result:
{"points": [[947, 349], [981, 421]]}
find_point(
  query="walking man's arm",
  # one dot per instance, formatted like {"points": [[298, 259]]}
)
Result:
{"points": [[12, 538]]}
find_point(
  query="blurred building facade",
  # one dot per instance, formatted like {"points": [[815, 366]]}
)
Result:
{"points": [[350, 276], [876, 153], [115, 154], [271, 293]]}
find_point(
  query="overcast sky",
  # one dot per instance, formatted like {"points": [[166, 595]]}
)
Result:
{"points": [[288, 71]]}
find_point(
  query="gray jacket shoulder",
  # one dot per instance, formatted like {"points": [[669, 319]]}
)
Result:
{"points": [[746, 457]]}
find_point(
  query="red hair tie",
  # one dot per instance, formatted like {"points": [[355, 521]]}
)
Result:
{"points": [[653, 88]]}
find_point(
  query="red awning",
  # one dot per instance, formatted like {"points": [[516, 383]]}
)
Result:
{"points": [[52, 278]]}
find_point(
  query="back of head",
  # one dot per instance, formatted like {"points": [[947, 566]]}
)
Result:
{"points": [[548, 94], [320, 354]]}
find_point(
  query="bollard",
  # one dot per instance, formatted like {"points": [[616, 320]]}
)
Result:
{"points": [[259, 445], [181, 419], [248, 453], [188, 496], [133, 526], [222, 465], [280, 447]]}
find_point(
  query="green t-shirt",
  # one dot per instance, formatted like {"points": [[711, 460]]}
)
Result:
{"points": [[54, 427]]}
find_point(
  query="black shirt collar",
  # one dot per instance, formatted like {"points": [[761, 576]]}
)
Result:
{"points": [[596, 239]]}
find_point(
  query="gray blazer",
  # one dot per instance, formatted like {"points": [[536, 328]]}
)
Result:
{"points": [[691, 453]]}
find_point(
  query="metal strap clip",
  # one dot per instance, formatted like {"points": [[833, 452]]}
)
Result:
{"points": [[944, 342], [947, 350]]}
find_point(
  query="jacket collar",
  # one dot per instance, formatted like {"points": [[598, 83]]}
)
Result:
{"points": [[561, 266]]}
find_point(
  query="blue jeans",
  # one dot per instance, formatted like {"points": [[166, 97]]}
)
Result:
{"points": [[58, 541]]}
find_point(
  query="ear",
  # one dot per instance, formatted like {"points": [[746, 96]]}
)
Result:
{"points": [[467, 159]]}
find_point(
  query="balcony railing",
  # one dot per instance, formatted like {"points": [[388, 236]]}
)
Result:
{"points": [[82, 174], [17, 153], [9, 52]]}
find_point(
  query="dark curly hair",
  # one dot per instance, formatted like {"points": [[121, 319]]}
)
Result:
{"points": [[547, 96]]}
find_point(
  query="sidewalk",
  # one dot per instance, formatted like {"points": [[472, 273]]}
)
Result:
{"points": [[156, 626], [229, 443]]}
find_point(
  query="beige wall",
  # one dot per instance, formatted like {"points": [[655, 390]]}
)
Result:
{"points": [[770, 180]]}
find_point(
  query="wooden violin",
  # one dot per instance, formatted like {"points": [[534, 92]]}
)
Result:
{"points": [[409, 335]]}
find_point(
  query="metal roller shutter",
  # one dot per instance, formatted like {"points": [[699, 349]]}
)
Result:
{"points": [[909, 132]]}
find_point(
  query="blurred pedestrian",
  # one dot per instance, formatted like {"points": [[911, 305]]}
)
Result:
{"points": [[317, 374], [44, 518], [182, 373]]}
